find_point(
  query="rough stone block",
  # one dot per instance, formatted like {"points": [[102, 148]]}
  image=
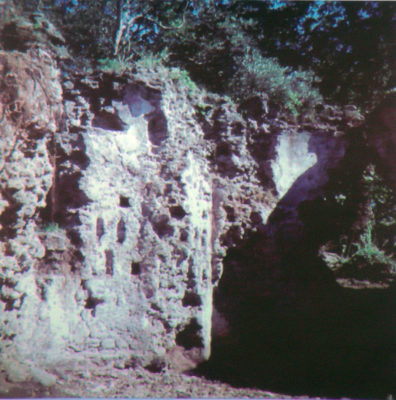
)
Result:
{"points": [[108, 344], [43, 377], [17, 372]]}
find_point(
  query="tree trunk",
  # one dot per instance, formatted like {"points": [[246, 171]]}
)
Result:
{"points": [[120, 27]]}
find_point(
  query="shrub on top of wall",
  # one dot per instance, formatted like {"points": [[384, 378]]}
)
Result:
{"points": [[293, 91]]}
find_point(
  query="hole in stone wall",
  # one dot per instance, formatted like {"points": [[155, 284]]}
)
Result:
{"points": [[183, 235], [156, 365], [91, 303], [157, 128], [9, 304], [124, 201], [108, 121], [255, 218], [223, 149], [190, 336], [8, 337], [161, 226], [75, 238], [42, 291], [79, 158], [9, 216], [154, 306], [99, 228], [191, 278], [230, 213], [136, 268], [168, 189], [191, 299], [146, 210], [69, 193], [109, 256], [8, 250], [177, 212], [121, 231], [232, 236], [182, 256], [61, 206], [12, 37]]}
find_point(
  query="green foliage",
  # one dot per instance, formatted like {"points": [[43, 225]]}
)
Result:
{"points": [[51, 228], [158, 62], [183, 78], [367, 251], [294, 91], [349, 45], [383, 204], [151, 61], [113, 65], [210, 62]]}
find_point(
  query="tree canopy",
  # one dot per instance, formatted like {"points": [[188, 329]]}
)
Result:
{"points": [[349, 46]]}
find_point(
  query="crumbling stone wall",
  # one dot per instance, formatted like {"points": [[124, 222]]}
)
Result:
{"points": [[119, 202], [30, 107], [143, 225]]}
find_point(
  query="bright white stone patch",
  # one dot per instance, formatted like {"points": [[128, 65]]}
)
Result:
{"points": [[198, 204], [293, 159]]}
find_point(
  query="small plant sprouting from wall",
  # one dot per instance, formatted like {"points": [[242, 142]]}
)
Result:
{"points": [[113, 65], [366, 253], [51, 228]]}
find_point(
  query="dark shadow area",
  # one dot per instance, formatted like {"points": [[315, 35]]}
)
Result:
{"points": [[9, 216], [108, 121], [157, 127], [189, 336], [12, 37], [291, 328]]}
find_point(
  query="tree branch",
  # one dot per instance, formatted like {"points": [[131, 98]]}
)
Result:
{"points": [[172, 27], [122, 25]]}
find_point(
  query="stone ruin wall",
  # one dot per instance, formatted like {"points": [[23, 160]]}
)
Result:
{"points": [[117, 208]]}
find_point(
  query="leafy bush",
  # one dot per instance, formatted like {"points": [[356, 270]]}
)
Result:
{"points": [[159, 63], [256, 74]]}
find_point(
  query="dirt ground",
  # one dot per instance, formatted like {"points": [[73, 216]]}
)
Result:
{"points": [[128, 383]]}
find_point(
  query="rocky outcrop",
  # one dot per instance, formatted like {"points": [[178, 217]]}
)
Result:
{"points": [[121, 196]]}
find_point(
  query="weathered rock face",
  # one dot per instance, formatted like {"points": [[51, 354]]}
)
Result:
{"points": [[117, 212], [31, 98], [143, 225]]}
